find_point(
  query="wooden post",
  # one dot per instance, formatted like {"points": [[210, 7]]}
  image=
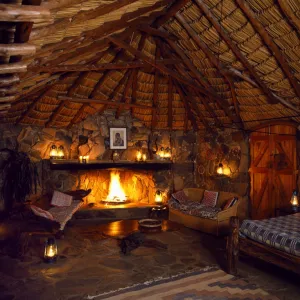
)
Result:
{"points": [[232, 247]]}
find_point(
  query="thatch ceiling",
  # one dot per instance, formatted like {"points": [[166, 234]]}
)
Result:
{"points": [[174, 64]]}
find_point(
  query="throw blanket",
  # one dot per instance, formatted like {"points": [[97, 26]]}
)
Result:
{"points": [[282, 233], [194, 208]]}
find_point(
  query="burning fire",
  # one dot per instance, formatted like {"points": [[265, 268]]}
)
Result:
{"points": [[116, 192]]}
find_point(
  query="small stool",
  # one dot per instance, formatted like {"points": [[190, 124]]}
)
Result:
{"points": [[159, 212]]}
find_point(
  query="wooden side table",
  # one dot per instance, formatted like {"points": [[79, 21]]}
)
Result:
{"points": [[284, 211]]}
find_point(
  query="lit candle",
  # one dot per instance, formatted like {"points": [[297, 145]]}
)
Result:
{"points": [[144, 157], [84, 159], [53, 152], [138, 156], [220, 170], [87, 158], [80, 159]]}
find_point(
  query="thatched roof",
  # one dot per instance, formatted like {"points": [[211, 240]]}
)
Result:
{"points": [[174, 64]]}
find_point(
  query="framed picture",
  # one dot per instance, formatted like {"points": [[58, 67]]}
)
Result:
{"points": [[117, 138]]}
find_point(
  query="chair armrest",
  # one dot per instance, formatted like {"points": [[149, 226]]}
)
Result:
{"points": [[227, 213]]}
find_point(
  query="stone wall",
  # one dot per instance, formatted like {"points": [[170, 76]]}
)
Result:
{"points": [[231, 149], [91, 137]]}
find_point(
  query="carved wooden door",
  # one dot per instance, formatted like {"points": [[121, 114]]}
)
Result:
{"points": [[272, 170]]}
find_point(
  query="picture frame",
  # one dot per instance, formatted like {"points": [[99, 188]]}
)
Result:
{"points": [[118, 138]]}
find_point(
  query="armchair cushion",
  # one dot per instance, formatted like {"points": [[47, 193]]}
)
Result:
{"points": [[230, 202], [180, 196], [210, 198]]}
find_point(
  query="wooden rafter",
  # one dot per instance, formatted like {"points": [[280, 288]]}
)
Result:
{"points": [[188, 107], [23, 13], [173, 9], [221, 31], [294, 20], [211, 93], [98, 101], [125, 93], [9, 80], [98, 67], [170, 103], [153, 31], [16, 49], [154, 117], [270, 44], [153, 63]]}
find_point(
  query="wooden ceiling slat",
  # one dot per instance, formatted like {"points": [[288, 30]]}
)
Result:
{"points": [[16, 49]]}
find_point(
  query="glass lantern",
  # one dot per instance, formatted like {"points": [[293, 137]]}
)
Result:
{"points": [[61, 152], [158, 197], [53, 152], [220, 169], [295, 201], [50, 253]]}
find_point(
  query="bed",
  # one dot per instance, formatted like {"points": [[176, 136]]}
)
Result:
{"points": [[274, 240]]}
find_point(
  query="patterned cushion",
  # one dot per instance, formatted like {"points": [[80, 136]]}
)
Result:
{"points": [[282, 233], [194, 208], [61, 199], [210, 198], [42, 213], [180, 196]]}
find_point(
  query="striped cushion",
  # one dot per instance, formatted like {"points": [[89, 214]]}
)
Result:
{"points": [[180, 196], [42, 213], [210, 198]]}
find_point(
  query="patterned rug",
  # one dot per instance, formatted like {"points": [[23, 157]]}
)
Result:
{"points": [[207, 284]]}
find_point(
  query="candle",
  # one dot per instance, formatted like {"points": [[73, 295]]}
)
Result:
{"points": [[138, 156], [144, 157], [80, 159], [87, 158]]}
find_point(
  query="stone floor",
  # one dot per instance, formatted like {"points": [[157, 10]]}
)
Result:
{"points": [[90, 263]]}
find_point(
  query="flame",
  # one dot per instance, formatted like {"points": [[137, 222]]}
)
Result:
{"points": [[116, 193]]}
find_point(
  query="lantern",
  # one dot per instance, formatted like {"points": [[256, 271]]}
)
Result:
{"points": [[144, 157], [50, 254], [158, 197], [167, 153], [53, 152], [294, 201], [139, 156], [60, 152], [162, 152], [220, 170]]}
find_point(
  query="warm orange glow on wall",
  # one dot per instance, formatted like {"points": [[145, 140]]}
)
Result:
{"points": [[116, 192]]}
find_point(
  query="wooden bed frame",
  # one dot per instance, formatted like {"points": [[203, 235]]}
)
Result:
{"points": [[237, 244]]}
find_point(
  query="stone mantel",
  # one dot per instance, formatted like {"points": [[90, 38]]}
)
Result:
{"points": [[74, 165]]}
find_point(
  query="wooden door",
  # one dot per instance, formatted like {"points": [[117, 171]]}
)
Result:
{"points": [[272, 170]]}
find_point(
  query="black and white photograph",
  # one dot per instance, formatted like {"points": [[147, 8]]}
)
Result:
{"points": [[118, 138]]}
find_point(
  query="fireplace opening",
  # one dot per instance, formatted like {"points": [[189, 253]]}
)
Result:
{"points": [[116, 193]]}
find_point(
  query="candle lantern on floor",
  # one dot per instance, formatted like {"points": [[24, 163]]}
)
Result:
{"points": [[295, 201], [158, 197], [50, 254], [61, 152], [220, 170], [53, 152]]}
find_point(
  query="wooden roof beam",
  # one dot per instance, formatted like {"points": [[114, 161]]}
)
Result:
{"points": [[99, 67], [211, 93], [153, 63], [16, 49], [107, 102], [154, 117], [8, 80], [173, 9], [24, 13], [153, 31], [289, 14], [170, 103], [270, 96], [13, 68], [270, 44]]}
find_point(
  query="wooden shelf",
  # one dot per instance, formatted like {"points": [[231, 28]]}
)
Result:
{"points": [[102, 165]]}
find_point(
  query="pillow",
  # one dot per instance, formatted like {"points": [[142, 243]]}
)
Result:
{"points": [[210, 198], [230, 202], [180, 196], [61, 199], [42, 213]]}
